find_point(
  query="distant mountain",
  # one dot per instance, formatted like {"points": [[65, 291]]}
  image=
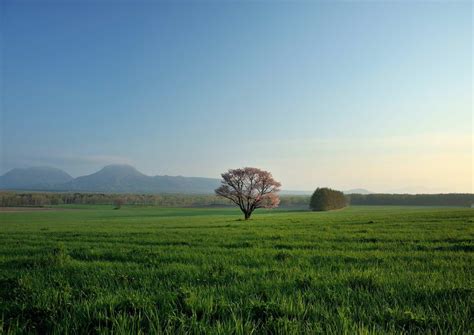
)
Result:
{"points": [[115, 179], [111, 179], [357, 191], [352, 191], [34, 178], [417, 190]]}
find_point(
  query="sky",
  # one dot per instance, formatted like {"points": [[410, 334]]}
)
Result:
{"points": [[374, 95]]}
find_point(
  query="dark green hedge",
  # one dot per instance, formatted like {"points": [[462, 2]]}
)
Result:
{"points": [[325, 199]]}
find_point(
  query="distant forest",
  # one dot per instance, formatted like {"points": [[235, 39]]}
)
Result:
{"points": [[13, 199], [449, 199]]}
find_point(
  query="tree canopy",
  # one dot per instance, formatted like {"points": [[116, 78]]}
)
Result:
{"points": [[324, 199], [249, 188]]}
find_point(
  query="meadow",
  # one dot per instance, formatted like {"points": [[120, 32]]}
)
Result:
{"points": [[93, 269]]}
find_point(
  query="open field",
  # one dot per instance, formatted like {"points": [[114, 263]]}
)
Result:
{"points": [[152, 270]]}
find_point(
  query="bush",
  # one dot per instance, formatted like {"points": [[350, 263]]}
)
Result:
{"points": [[325, 199]]}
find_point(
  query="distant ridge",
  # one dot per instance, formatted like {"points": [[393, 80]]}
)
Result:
{"points": [[110, 179], [34, 178]]}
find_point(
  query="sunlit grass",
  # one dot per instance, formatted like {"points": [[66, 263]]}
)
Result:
{"points": [[152, 270]]}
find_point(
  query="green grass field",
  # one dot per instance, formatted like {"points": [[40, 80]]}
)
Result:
{"points": [[150, 270]]}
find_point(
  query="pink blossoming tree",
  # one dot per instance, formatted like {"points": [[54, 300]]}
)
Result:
{"points": [[249, 188]]}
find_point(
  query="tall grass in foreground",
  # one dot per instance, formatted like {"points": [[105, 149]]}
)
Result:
{"points": [[359, 270]]}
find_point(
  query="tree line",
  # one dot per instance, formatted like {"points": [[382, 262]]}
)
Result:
{"points": [[18, 199], [448, 199]]}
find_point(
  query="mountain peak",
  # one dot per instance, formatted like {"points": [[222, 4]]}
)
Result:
{"points": [[118, 171], [119, 167]]}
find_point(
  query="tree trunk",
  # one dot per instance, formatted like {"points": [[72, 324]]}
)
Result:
{"points": [[247, 215]]}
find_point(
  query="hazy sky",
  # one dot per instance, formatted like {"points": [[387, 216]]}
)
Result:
{"points": [[375, 95]]}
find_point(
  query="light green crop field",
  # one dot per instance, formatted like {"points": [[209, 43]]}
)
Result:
{"points": [[92, 269]]}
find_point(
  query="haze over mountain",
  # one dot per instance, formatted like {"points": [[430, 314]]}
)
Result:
{"points": [[110, 179], [34, 178], [351, 191], [119, 178], [357, 191]]}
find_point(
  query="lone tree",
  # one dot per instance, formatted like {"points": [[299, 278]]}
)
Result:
{"points": [[325, 199], [118, 202], [249, 188]]}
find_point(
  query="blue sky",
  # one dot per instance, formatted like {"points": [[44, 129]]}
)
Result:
{"points": [[343, 94]]}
